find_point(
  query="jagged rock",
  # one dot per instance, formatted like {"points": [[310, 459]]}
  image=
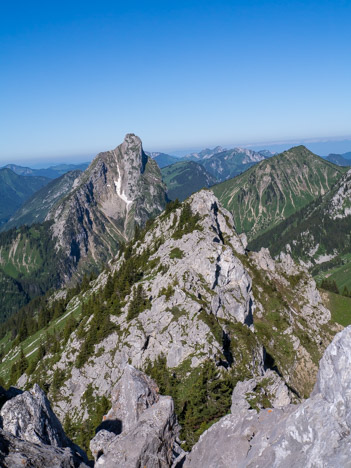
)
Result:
{"points": [[29, 416], [315, 433], [200, 287], [134, 393], [31, 434], [149, 428], [18, 453], [268, 386]]}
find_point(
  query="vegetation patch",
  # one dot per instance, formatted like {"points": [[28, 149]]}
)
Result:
{"points": [[176, 253], [187, 223]]}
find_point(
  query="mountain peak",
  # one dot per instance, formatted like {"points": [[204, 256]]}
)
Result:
{"points": [[120, 188], [132, 140]]}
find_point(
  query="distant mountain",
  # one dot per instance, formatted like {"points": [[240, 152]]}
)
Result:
{"points": [[230, 163], [15, 190], [275, 188], [347, 155], [38, 206], [51, 172], [29, 266], [184, 178], [318, 235], [120, 188], [266, 153], [338, 159], [204, 154], [163, 159]]}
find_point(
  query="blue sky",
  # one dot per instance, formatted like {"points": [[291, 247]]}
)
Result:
{"points": [[76, 76]]}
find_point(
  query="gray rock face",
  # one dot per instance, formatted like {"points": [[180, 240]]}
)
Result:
{"points": [[315, 433], [148, 425], [18, 453], [31, 434], [120, 188], [133, 394], [29, 416]]}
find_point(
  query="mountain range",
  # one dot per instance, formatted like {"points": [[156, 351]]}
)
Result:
{"points": [[51, 172], [87, 216], [36, 209], [318, 235], [275, 188], [339, 159], [162, 159], [183, 178], [139, 331]]}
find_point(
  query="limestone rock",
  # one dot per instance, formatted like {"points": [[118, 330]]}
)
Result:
{"points": [[208, 299], [314, 433], [120, 188], [19, 453], [148, 429], [133, 394], [31, 434], [29, 416]]}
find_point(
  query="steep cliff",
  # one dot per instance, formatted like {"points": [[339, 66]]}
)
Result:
{"points": [[120, 188]]}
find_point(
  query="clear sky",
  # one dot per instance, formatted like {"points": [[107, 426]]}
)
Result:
{"points": [[76, 76]]}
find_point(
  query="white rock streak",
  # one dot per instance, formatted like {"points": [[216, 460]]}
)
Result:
{"points": [[118, 184]]}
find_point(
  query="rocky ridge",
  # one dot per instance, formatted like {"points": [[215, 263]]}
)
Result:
{"points": [[141, 428], [206, 298]]}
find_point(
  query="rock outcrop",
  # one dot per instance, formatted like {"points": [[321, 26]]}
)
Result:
{"points": [[32, 436], [315, 433], [141, 427]]}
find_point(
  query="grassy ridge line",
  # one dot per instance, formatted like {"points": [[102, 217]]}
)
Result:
{"points": [[276, 188]]}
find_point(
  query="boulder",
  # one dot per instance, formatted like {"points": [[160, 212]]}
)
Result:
{"points": [[148, 426], [29, 416], [31, 434]]}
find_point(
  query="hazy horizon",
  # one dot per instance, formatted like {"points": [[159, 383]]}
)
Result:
{"points": [[321, 147], [181, 75]]}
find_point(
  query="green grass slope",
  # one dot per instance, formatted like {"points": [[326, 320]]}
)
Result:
{"points": [[15, 190], [38, 206], [275, 188], [318, 235], [29, 266]]}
